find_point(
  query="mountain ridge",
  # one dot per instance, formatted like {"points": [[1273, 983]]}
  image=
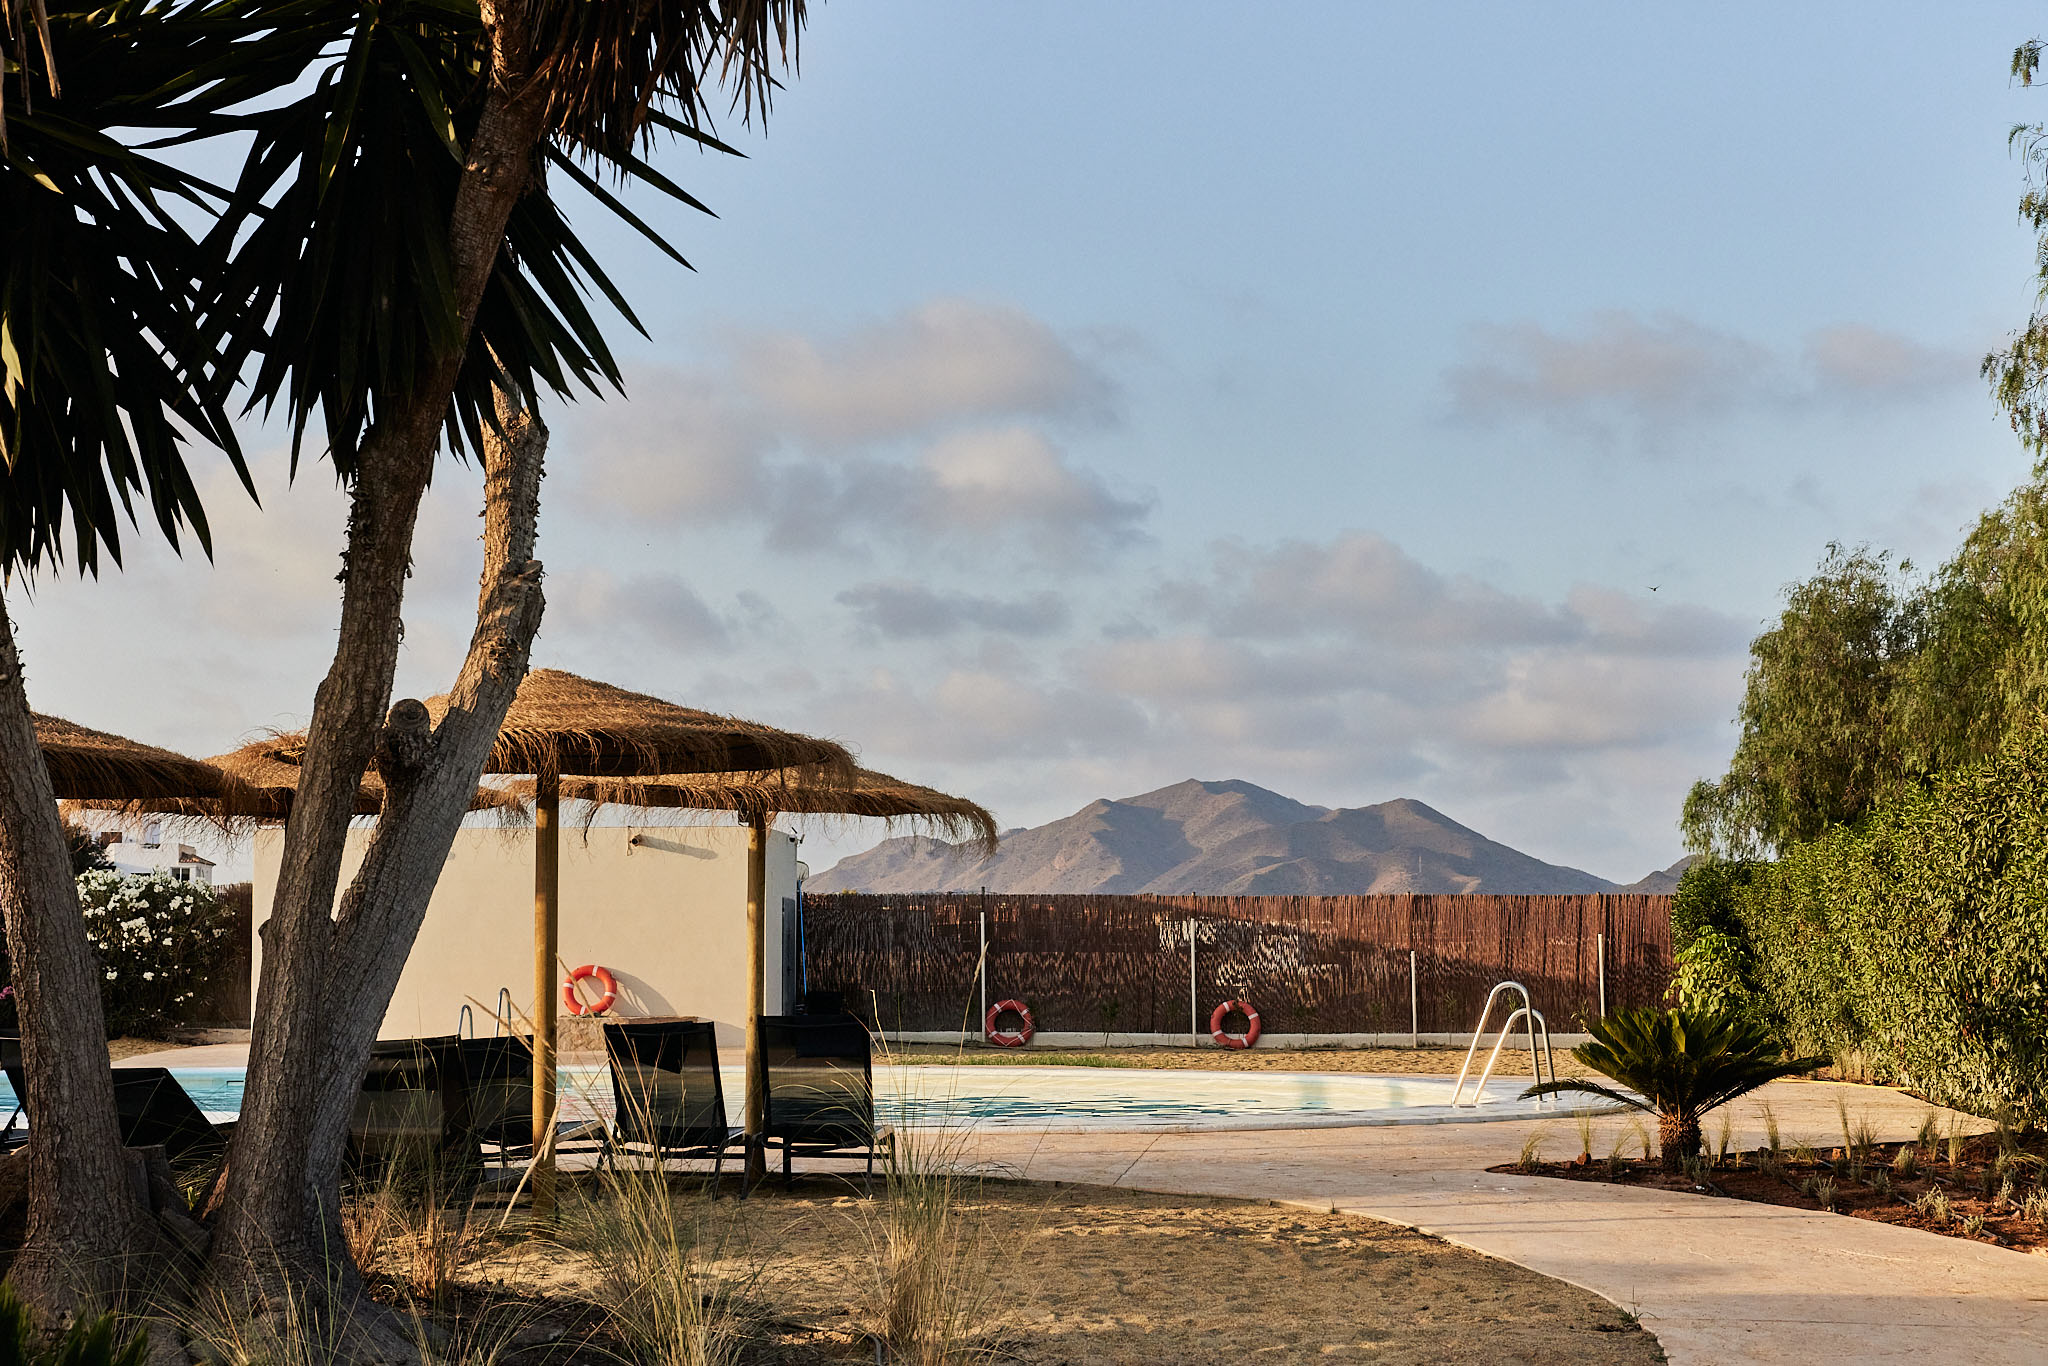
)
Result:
{"points": [[1226, 837]]}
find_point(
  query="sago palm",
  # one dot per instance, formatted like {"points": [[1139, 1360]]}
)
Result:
{"points": [[1679, 1064]]}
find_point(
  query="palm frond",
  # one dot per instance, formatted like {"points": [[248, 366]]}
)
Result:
{"points": [[1590, 1088], [396, 93], [1687, 1062], [107, 373], [606, 69]]}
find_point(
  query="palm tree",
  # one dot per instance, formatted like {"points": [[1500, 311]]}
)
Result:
{"points": [[453, 111], [100, 313], [1678, 1064], [391, 262]]}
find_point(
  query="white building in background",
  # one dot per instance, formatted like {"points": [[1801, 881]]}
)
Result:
{"points": [[140, 858], [663, 908]]}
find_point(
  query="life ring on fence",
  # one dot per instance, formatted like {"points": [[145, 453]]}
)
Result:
{"points": [[1251, 1025], [573, 1003], [1005, 1038]]}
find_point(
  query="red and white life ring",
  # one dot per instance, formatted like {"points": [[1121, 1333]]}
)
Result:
{"points": [[573, 1002], [1009, 1038], [1251, 1025]]}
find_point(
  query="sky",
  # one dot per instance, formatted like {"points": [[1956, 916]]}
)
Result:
{"points": [[1390, 401]]}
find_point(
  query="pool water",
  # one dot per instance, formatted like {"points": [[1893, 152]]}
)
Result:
{"points": [[1056, 1098]]}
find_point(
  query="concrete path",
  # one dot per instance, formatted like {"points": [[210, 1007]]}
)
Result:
{"points": [[1718, 1281]]}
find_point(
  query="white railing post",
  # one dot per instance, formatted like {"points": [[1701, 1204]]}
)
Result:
{"points": [[983, 967], [1414, 1006], [1194, 1005], [1600, 951]]}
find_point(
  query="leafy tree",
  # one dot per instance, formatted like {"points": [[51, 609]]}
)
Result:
{"points": [[1871, 681], [1816, 712], [1679, 1064]]}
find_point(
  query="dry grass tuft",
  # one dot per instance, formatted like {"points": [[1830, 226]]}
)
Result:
{"points": [[654, 1250], [934, 1267]]}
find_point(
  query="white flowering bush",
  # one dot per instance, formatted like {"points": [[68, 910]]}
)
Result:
{"points": [[158, 939]]}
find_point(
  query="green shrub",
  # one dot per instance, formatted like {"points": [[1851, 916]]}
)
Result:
{"points": [[1914, 943], [87, 1342], [157, 939], [1712, 973]]}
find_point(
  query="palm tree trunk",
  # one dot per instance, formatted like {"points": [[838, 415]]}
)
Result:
{"points": [[279, 1200], [328, 971], [85, 1218], [1678, 1140]]}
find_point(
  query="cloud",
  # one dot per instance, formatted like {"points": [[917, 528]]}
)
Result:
{"points": [[1668, 367], [945, 361], [657, 608], [1331, 668], [1658, 367], [683, 451], [979, 481], [932, 423], [1361, 586], [983, 716], [906, 611], [1853, 361]]}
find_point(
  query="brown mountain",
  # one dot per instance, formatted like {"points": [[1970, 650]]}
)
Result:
{"points": [[1664, 881], [1218, 838]]}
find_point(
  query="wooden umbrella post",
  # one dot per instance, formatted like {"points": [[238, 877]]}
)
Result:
{"points": [[547, 887], [757, 971]]}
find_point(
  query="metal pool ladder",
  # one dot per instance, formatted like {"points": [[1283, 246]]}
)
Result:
{"points": [[1532, 1020]]}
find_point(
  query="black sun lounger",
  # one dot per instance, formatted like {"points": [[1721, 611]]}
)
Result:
{"points": [[413, 1108], [821, 1095], [149, 1104], [668, 1097], [498, 1074]]}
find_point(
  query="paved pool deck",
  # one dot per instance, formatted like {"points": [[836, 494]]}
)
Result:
{"points": [[1720, 1282]]}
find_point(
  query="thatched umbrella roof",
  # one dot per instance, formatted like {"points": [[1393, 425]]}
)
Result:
{"points": [[259, 784], [798, 792], [564, 723], [269, 781], [91, 766]]}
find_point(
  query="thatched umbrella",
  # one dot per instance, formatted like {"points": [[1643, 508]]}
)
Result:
{"points": [[93, 767], [758, 798], [269, 781], [560, 723]]}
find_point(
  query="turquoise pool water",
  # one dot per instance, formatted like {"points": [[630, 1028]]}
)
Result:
{"points": [[1062, 1097]]}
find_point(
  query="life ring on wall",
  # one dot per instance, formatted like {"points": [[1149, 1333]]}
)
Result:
{"points": [[1005, 1038], [1251, 1025], [573, 1003]]}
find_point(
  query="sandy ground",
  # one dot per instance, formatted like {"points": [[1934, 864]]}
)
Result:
{"points": [[118, 1049], [1082, 1274], [1381, 1061]]}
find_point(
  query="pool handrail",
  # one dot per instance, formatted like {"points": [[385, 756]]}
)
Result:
{"points": [[1534, 1021]]}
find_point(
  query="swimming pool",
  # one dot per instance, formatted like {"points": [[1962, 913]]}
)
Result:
{"points": [[1065, 1098]]}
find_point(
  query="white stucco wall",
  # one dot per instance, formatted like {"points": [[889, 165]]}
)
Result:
{"points": [[665, 908]]}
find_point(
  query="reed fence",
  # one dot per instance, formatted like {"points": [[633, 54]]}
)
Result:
{"points": [[1311, 964]]}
